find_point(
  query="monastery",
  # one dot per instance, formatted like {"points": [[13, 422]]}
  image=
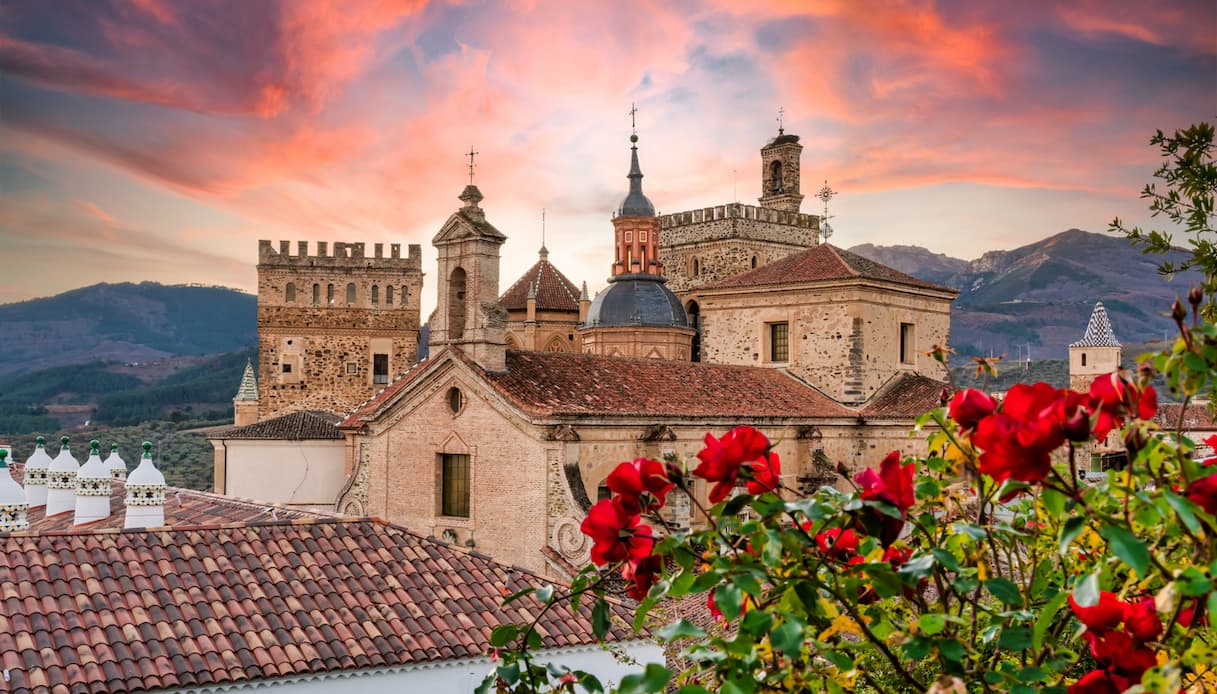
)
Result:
{"points": [[502, 438]]}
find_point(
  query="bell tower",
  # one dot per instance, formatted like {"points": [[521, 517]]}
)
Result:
{"points": [[780, 171], [467, 315], [1097, 353]]}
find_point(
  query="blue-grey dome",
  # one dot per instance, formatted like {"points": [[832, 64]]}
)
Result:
{"points": [[635, 204], [636, 299]]}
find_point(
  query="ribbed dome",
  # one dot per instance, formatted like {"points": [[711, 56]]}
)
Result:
{"points": [[637, 299]]}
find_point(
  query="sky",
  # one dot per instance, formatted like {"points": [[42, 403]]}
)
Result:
{"points": [[158, 140]]}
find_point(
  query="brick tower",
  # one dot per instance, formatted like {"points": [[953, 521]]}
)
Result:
{"points": [[780, 173], [333, 328]]}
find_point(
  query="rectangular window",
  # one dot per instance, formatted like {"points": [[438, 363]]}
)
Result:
{"points": [[454, 483], [642, 237], [907, 343], [352, 367], [287, 368], [380, 368], [779, 342]]}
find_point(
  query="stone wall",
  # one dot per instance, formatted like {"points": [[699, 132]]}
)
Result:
{"points": [[328, 344], [637, 341], [844, 338], [552, 331], [1099, 360]]}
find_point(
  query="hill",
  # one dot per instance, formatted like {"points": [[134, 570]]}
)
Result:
{"points": [[127, 323], [1038, 297]]}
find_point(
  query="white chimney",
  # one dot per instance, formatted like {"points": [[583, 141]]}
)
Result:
{"points": [[115, 463], [12, 499], [36, 467], [145, 494], [61, 482], [92, 488]]}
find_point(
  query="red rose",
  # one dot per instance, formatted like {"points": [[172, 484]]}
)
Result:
{"points": [[1141, 620], [721, 458], [641, 485], [892, 484], [641, 575], [1115, 398], [970, 406], [1104, 616], [765, 474], [1118, 651], [616, 534], [836, 542], [1100, 682], [1002, 455], [1203, 493]]}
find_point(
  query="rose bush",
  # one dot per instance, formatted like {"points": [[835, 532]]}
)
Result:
{"points": [[990, 563]]}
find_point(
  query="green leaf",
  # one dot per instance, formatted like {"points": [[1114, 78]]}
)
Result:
{"points": [[728, 598], [1192, 582], [692, 689], [946, 559], [503, 634], [757, 622], [641, 613], [932, 623], [918, 567], [1005, 590], [600, 618], [1054, 502], [534, 639], [679, 630], [1128, 548], [516, 596], [509, 673], [788, 638], [1015, 638], [951, 649], [589, 682], [1046, 616], [653, 679], [1070, 529], [739, 686], [705, 582], [1086, 591], [1184, 509]]}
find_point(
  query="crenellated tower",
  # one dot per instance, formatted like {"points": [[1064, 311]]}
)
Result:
{"points": [[334, 325]]}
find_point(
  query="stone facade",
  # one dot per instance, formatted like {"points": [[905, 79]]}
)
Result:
{"points": [[548, 331], [843, 337], [324, 318], [638, 341], [780, 173], [704, 246]]}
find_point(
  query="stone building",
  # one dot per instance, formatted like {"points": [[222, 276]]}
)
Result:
{"points": [[333, 326], [544, 308], [1097, 353]]}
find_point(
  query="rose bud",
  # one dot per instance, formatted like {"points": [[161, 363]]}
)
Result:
{"points": [[1195, 296], [1077, 426], [1178, 312], [843, 470], [676, 474]]}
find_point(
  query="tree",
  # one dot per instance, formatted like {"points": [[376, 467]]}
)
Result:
{"points": [[1189, 175]]}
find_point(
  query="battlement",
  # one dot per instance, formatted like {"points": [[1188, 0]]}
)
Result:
{"points": [[739, 210], [340, 255]]}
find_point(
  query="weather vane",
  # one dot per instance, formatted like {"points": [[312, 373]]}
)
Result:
{"points": [[781, 112], [825, 194], [471, 154], [633, 122]]}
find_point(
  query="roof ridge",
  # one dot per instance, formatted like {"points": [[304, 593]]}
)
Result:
{"points": [[192, 527], [836, 253]]}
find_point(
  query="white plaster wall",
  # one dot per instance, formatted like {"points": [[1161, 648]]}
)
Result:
{"points": [[298, 473], [457, 676]]}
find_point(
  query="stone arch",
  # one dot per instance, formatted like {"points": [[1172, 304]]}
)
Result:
{"points": [[696, 267], [289, 293], [456, 304], [316, 294], [775, 176], [754, 262], [694, 313], [556, 344], [389, 295], [329, 295], [351, 295], [512, 342], [375, 294]]}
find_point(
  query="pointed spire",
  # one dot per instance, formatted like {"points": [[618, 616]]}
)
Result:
{"points": [[145, 494], [1098, 330], [12, 500], [583, 295], [636, 204], [36, 468], [115, 463], [532, 290], [61, 481], [249, 384], [92, 488], [544, 252]]}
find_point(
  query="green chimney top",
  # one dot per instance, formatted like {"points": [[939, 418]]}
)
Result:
{"points": [[147, 449]]}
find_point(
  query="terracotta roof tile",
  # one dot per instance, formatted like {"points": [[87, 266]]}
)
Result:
{"points": [[820, 263], [186, 646], [354, 419], [554, 291], [907, 395], [297, 426], [564, 384], [1196, 418]]}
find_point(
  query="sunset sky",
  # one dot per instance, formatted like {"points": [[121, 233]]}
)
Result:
{"points": [[154, 140]]}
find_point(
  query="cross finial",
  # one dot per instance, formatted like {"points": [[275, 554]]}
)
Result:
{"points": [[542, 227], [781, 112], [471, 154], [633, 121], [825, 195]]}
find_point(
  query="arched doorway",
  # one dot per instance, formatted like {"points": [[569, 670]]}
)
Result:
{"points": [[694, 312], [456, 304]]}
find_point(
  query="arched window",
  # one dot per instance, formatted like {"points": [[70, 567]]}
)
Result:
{"points": [[405, 294], [350, 292], [696, 267], [456, 304], [694, 312], [754, 262], [316, 294], [375, 294], [389, 295], [775, 176], [1083, 359], [329, 294], [289, 293]]}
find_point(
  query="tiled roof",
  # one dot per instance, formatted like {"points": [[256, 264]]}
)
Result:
{"points": [[383, 395], [249, 384], [559, 383], [907, 395], [182, 507], [130, 611], [297, 426], [554, 291], [1098, 330], [820, 263], [1196, 417]]}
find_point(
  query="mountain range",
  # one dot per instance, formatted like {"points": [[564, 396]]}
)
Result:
{"points": [[1036, 299]]}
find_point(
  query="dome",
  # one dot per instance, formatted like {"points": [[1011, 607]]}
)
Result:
{"points": [[636, 300], [64, 462], [636, 205], [93, 468], [146, 473], [39, 459], [115, 463]]}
